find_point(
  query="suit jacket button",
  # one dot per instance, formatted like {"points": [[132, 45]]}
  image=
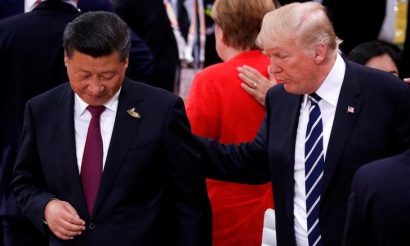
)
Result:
{"points": [[91, 226]]}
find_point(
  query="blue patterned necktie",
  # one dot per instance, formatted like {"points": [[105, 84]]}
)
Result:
{"points": [[314, 161]]}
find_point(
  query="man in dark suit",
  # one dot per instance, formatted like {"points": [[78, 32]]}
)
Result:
{"points": [[149, 20], [134, 182], [325, 119], [378, 211], [31, 62]]}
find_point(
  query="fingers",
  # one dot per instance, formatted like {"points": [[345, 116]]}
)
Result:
{"points": [[250, 76], [253, 78], [254, 83], [407, 80], [258, 96], [63, 220], [248, 89], [74, 218]]}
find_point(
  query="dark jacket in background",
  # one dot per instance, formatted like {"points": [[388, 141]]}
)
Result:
{"points": [[31, 62], [379, 204], [149, 20]]}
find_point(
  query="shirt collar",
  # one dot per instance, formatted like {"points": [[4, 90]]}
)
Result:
{"points": [[80, 106], [329, 90]]}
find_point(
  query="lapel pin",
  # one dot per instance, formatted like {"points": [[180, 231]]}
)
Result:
{"points": [[133, 113], [350, 110]]}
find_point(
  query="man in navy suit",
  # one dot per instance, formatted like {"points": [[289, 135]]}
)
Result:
{"points": [[364, 117], [151, 190], [378, 211]]}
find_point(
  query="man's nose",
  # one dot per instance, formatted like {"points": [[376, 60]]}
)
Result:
{"points": [[274, 68], [95, 88]]}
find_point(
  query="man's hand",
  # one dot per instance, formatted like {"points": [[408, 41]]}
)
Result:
{"points": [[63, 220], [254, 83]]}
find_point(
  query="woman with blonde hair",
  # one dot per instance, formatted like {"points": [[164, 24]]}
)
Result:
{"points": [[219, 108]]}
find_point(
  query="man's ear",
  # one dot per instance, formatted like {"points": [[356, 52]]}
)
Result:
{"points": [[320, 53], [66, 59], [127, 60]]}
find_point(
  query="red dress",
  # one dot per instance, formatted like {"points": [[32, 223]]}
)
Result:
{"points": [[219, 108]]}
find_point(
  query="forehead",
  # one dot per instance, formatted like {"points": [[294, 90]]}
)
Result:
{"points": [[85, 61], [288, 47], [382, 62], [79, 56]]}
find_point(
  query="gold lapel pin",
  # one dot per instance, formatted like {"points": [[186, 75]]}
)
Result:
{"points": [[133, 113]]}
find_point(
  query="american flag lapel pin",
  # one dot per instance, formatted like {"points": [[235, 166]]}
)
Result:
{"points": [[350, 110]]}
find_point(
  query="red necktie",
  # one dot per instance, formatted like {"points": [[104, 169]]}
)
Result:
{"points": [[91, 167]]}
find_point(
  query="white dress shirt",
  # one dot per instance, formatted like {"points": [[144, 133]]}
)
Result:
{"points": [[82, 118], [329, 92]]}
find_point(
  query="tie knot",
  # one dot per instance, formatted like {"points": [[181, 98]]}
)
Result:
{"points": [[314, 98], [96, 111]]}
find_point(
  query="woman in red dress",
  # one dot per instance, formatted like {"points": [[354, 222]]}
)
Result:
{"points": [[219, 108]]}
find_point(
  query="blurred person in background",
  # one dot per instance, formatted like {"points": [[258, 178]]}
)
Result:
{"points": [[378, 212], [31, 62], [149, 20], [219, 108], [378, 55]]}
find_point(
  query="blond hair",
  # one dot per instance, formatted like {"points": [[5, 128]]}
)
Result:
{"points": [[305, 23], [240, 20]]}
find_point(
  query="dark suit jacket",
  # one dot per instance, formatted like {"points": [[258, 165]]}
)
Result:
{"points": [[152, 191], [379, 127], [31, 62], [149, 21], [11, 7], [379, 204]]}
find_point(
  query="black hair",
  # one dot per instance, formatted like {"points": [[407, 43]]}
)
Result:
{"points": [[97, 34], [362, 53]]}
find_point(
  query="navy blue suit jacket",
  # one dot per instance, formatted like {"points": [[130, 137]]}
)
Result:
{"points": [[379, 204], [378, 127], [152, 191], [11, 7]]}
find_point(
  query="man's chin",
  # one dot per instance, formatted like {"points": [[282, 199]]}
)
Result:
{"points": [[291, 89]]}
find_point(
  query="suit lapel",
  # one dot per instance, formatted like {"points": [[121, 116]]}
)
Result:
{"points": [[293, 122], [347, 113], [65, 128], [125, 128], [285, 118], [289, 135]]}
